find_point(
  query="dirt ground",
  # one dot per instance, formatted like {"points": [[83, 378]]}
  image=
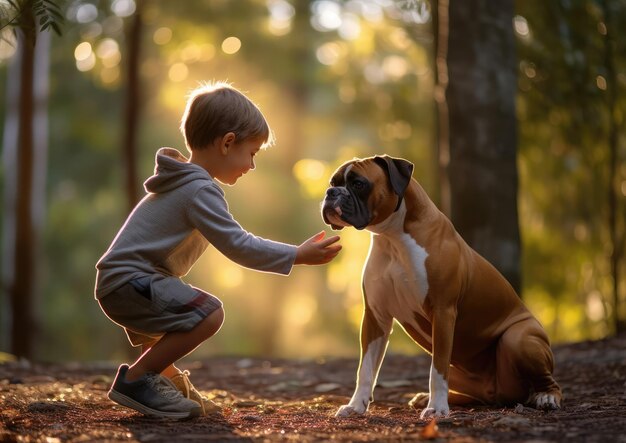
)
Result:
{"points": [[295, 400]]}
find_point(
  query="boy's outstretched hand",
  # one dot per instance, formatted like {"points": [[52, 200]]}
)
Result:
{"points": [[317, 250]]}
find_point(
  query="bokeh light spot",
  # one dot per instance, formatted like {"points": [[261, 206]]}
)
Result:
{"points": [[123, 8], [86, 13], [328, 53], [108, 50], [521, 26], [231, 45], [178, 72], [162, 36], [82, 51], [281, 16]]}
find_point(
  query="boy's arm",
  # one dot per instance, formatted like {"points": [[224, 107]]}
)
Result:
{"points": [[208, 212]]}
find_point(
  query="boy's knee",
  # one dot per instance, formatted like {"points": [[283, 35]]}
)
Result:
{"points": [[218, 317], [213, 322]]}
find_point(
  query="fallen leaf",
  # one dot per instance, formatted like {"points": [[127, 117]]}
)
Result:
{"points": [[430, 431]]}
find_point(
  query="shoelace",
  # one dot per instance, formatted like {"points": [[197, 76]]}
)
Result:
{"points": [[186, 382], [163, 387], [207, 405], [189, 388]]}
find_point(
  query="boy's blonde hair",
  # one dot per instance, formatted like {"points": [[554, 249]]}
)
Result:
{"points": [[216, 108]]}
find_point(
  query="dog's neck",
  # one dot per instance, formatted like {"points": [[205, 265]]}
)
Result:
{"points": [[416, 206], [393, 224]]}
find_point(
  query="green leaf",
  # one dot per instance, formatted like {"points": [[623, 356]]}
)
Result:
{"points": [[57, 14], [56, 28]]}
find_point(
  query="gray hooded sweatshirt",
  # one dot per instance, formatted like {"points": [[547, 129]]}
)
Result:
{"points": [[174, 223]]}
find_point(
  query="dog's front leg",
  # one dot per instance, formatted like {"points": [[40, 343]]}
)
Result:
{"points": [[374, 339], [443, 334]]}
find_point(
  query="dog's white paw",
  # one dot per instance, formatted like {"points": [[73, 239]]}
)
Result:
{"points": [[435, 411], [545, 401], [349, 411]]}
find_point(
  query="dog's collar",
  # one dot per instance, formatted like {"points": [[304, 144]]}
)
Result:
{"points": [[400, 197]]}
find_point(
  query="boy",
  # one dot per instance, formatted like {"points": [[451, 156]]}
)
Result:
{"points": [[138, 281]]}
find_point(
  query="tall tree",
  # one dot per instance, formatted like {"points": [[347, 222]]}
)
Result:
{"points": [[480, 99], [133, 106], [617, 243], [440, 30], [25, 153], [20, 284]]}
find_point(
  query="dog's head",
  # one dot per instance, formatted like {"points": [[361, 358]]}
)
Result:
{"points": [[365, 192]]}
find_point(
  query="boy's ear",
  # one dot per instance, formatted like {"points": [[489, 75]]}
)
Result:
{"points": [[227, 141]]}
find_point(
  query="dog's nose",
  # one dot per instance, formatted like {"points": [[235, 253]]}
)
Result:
{"points": [[332, 192]]}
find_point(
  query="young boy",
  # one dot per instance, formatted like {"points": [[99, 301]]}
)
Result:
{"points": [[138, 283]]}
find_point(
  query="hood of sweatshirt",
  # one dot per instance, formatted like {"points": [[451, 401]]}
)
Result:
{"points": [[173, 170]]}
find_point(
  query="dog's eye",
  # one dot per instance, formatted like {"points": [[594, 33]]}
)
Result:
{"points": [[358, 185]]}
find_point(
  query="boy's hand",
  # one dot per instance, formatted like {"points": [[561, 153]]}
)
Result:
{"points": [[317, 250]]}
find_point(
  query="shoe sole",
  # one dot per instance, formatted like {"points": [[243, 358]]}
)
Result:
{"points": [[130, 403]]}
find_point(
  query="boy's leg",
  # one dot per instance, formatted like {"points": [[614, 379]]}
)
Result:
{"points": [[175, 345], [157, 303], [172, 347], [150, 392], [183, 384]]}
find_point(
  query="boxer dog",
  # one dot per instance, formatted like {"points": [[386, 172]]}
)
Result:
{"points": [[486, 346]]}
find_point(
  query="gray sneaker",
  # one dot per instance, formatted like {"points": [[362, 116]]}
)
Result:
{"points": [[153, 395]]}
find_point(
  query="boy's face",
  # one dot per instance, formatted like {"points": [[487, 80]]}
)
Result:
{"points": [[238, 160]]}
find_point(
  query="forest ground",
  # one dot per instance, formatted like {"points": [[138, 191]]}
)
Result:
{"points": [[295, 400]]}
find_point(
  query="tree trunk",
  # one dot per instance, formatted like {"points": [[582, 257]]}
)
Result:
{"points": [[441, 31], [480, 96], [133, 108], [20, 281], [9, 166], [612, 194], [41, 87]]}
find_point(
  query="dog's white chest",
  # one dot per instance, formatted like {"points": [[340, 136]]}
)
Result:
{"points": [[398, 271], [406, 272]]}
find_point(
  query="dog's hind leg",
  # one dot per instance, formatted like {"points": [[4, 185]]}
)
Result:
{"points": [[524, 367]]}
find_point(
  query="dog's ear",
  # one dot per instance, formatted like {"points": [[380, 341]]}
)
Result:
{"points": [[399, 171]]}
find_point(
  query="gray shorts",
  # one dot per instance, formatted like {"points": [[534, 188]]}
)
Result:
{"points": [[149, 307]]}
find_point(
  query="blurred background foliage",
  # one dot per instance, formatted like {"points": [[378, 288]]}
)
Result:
{"points": [[335, 80]]}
